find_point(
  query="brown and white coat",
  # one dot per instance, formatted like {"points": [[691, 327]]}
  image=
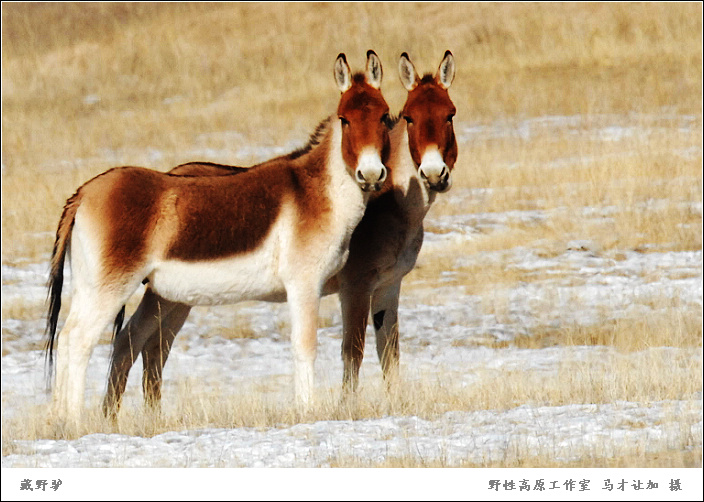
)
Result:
{"points": [[272, 233], [383, 248]]}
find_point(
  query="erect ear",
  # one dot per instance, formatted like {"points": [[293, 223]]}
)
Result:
{"points": [[373, 73], [446, 71], [407, 72], [342, 73]]}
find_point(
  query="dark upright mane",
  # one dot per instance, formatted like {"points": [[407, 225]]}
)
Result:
{"points": [[313, 141]]}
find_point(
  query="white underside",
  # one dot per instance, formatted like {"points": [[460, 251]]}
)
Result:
{"points": [[224, 281]]}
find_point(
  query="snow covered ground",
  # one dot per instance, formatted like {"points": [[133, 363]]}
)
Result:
{"points": [[443, 333]]}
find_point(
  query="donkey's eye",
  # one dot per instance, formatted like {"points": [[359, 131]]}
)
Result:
{"points": [[344, 121], [449, 117], [408, 119], [385, 119]]}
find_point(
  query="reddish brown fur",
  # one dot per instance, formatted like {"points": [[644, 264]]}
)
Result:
{"points": [[205, 169], [131, 201], [299, 173], [216, 219], [360, 104], [387, 233], [428, 112], [241, 226]]}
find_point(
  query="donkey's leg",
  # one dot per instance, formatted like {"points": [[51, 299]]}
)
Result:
{"points": [[156, 351], [128, 343], [385, 318], [304, 302], [59, 401], [88, 317], [355, 312]]}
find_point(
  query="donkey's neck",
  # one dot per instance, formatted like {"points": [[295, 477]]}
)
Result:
{"points": [[347, 200]]}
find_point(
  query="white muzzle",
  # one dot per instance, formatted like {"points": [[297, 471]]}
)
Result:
{"points": [[434, 172], [370, 172]]}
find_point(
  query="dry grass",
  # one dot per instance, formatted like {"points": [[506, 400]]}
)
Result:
{"points": [[671, 328], [103, 93], [89, 86], [569, 169], [646, 460], [646, 378], [599, 377]]}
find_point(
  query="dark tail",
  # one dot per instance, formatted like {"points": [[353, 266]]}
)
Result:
{"points": [[119, 319], [56, 275]]}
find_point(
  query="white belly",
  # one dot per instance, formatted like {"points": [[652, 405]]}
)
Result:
{"points": [[225, 281]]}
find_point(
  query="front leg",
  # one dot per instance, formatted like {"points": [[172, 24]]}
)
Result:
{"points": [[304, 304], [385, 317], [355, 312]]}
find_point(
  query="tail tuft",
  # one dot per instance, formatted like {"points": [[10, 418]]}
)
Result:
{"points": [[56, 275]]}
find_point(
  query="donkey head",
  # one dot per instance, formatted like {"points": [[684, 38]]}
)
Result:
{"points": [[428, 113], [364, 115]]}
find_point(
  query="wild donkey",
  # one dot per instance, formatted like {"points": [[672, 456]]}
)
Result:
{"points": [[383, 248], [278, 232]]}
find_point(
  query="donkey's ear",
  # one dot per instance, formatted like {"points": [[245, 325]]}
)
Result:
{"points": [[407, 72], [342, 73], [446, 71], [373, 73]]}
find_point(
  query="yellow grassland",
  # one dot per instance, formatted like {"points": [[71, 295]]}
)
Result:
{"points": [[89, 86]]}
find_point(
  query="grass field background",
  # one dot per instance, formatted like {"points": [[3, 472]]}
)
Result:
{"points": [[588, 113], [89, 86]]}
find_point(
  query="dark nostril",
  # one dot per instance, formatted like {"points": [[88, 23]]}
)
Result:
{"points": [[360, 177], [422, 175], [382, 177]]}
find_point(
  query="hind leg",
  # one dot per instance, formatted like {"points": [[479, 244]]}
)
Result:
{"points": [[89, 316], [385, 317], [156, 351], [130, 341]]}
